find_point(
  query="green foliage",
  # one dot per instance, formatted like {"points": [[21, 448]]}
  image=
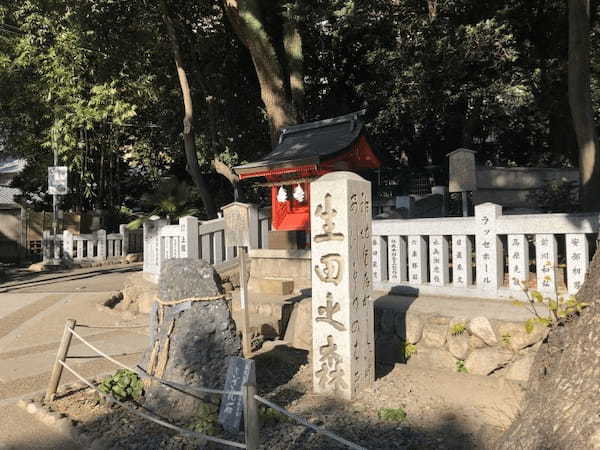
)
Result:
{"points": [[206, 419], [458, 328], [171, 200], [409, 350], [460, 366], [123, 385], [392, 414], [506, 338], [560, 309]]}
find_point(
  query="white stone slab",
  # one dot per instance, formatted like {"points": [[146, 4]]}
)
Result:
{"points": [[438, 261], [546, 261], [490, 270], [380, 269], [342, 310], [462, 261], [578, 258], [518, 261], [397, 257], [417, 260]]}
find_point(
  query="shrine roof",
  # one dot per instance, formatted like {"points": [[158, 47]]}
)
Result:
{"points": [[310, 143]]}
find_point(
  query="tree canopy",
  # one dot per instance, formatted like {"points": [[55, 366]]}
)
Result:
{"points": [[96, 79]]}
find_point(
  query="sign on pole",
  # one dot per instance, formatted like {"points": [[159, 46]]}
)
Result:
{"points": [[57, 180]]}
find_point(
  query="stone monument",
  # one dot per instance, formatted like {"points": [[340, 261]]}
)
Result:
{"points": [[342, 309], [189, 340]]}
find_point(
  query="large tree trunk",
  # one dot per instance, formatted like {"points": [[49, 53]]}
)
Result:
{"points": [[193, 167], [292, 42], [580, 100], [563, 398], [246, 19]]}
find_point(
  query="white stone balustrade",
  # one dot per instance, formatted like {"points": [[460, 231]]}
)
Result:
{"points": [[441, 253]]}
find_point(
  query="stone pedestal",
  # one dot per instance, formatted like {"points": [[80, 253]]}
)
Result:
{"points": [[342, 276]]}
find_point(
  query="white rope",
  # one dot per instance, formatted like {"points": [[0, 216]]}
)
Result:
{"points": [[108, 326], [155, 419], [142, 374], [309, 425]]}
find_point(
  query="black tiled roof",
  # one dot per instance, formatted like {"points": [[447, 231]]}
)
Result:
{"points": [[309, 143]]}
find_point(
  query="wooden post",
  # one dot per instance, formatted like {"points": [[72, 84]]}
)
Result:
{"points": [[251, 419], [244, 303], [63, 350]]}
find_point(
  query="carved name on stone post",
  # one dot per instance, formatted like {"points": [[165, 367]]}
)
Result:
{"points": [[342, 311]]}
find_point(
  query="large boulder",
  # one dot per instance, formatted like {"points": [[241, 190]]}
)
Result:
{"points": [[433, 359], [435, 332], [414, 328], [516, 336], [191, 340]]}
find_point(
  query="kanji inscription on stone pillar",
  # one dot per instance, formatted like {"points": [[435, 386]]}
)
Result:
{"points": [[342, 280]]}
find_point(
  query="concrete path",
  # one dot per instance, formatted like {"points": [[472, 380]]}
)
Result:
{"points": [[33, 310]]}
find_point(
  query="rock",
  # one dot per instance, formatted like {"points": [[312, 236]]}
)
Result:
{"points": [[435, 332], [484, 361], [32, 408], [482, 328], [520, 369], [458, 345], [37, 267], [475, 342], [139, 294], [198, 335], [400, 325], [414, 328], [299, 330], [432, 358], [516, 337], [134, 257]]}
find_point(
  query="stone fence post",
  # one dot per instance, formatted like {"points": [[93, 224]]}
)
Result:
{"points": [[188, 240], [67, 245], [123, 231], [101, 236]]}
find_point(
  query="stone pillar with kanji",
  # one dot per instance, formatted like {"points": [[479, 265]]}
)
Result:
{"points": [[342, 279]]}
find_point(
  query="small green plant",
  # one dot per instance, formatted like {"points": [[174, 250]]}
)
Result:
{"points": [[123, 385], [409, 350], [206, 419], [392, 414], [458, 328], [506, 338], [460, 366], [561, 309]]}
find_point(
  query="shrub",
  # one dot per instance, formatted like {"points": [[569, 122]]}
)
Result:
{"points": [[123, 385], [460, 366], [392, 414]]}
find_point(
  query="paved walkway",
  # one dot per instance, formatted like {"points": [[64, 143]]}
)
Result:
{"points": [[33, 310]]}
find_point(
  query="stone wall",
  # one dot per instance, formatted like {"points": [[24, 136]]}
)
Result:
{"points": [[479, 345]]}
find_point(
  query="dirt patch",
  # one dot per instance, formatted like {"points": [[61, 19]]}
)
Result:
{"points": [[443, 411]]}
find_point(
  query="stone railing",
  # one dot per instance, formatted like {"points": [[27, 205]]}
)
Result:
{"points": [[192, 238], [97, 246], [484, 256]]}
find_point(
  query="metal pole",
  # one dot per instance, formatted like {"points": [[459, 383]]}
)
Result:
{"points": [[63, 350], [251, 419], [55, 206], [244, 303], [465, 203]]}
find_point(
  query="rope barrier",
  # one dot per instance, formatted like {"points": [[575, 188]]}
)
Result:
{"points": [[189, 299], [316, 429], [142, 374], [146, 416], [108, 326]]}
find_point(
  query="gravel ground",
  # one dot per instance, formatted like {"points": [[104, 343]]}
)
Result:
{"points": [[444, 411]]}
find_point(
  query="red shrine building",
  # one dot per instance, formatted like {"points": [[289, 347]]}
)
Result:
{"points": [[304, 153]]}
